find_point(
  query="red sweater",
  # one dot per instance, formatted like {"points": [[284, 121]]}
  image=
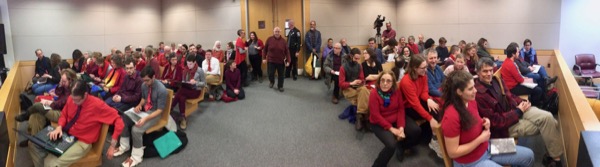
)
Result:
{"points": [[93, 114], [413, 92], [386, 116], [342, 78], [510, 74], [140, 65], [451, 127], [172, 75], [414, 48], [276, 51]]}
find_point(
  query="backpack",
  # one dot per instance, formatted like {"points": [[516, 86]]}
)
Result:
{"points": [[25, 101], [551, 102]]}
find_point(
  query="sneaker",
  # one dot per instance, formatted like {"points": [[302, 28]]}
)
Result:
{"points": [[280, 89], [550, 162], [183, 124], [120, 151], [435, 147], [271, 85]]}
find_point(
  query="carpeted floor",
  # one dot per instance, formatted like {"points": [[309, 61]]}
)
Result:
{"points": [[298, 127]]}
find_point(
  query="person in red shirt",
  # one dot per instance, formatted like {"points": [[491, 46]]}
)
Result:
{"points": [[514, 80], [352, 83], [388, 119], [415, 92], [140, 63], [171, 74], [163, 57], [414, 48], [466, 134], [240, 55], [82, 117], [388, 33]]}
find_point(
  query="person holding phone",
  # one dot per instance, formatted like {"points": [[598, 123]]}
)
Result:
{"points": [[352, 83], [192, 83]]}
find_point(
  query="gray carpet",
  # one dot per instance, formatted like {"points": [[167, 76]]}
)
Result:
{"points": [[298, 127]]}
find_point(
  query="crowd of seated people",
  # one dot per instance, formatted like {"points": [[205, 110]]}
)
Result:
{"points": [[419, 88]]}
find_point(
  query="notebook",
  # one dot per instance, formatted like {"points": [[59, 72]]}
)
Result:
{"points": [[135, 117], [536, 68], [56, 147], [502, 146], [46, 107]]}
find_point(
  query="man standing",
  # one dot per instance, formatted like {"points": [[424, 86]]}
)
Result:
{"points": [[388, 34], [313, 45], [277, 54], [373, 45], [240, 55], [82, 117], [130, 92], [153, 103], [512, 117], [294, 43]]}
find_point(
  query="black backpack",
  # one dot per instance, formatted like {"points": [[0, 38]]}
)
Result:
{"points": [[551, 102]]}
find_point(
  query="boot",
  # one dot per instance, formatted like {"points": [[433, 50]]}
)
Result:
{"points": [[24, 116], [136, 158], [123, 146], [359, 122]]}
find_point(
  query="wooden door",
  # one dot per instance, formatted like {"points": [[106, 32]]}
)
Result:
{"points": [[273, 13]]}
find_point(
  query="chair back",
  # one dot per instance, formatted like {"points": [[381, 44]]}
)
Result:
{"points": [[440, 138], [164, 118], [586, 61]]}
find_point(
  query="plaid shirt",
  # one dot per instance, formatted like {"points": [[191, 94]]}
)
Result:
{"points": [[500, 108]]}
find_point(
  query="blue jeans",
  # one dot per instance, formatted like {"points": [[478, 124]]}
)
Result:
{"points": [[539, 78], [523, 157], [120, 106], [39, 89]]}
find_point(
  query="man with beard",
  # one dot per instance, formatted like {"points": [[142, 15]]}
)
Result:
{"points": [[352, 83], [313, 44]]}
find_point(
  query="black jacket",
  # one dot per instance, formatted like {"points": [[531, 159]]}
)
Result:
{"points": [[294, 40]]}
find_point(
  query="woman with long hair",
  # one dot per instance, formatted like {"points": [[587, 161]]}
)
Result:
{"points": [[371, 67], [466, 134], [471, 57], [255, 47]]}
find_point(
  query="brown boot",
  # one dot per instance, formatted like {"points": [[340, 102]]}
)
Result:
{"points": [[334, 100], [359, 122]]}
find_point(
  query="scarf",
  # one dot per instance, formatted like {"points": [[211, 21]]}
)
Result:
{"points": [[189, 73], [385, 96]]}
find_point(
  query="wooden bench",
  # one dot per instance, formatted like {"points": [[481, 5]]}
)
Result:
{"points": [[191, 105], [164, 118]]}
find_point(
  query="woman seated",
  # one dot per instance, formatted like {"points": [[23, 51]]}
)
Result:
{"points": [[390, 50], [233, 81], [172, 73], [371, 67], [459, 64], [140, 63], [49, 80], [192, 83], [466, 134], [388, 119], [417, 102]]}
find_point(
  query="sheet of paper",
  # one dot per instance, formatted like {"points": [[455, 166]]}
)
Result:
{"points": [[536, 68], [529, 85]]}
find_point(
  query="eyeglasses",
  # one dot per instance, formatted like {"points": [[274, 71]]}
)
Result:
{"points": [[386, 81]]}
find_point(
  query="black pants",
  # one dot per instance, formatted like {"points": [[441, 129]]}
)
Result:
{"points": [[255, 61], [240, 96], [536, 94], [271, 68], [425, 129], [336, 86], [243, 71], [411, 131], [293, 68]]}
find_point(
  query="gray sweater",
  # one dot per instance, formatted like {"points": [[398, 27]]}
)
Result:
{"points": [[158, 96]]}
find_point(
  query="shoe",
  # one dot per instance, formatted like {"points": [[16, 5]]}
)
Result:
{"points": [[136, 158], [123, 146], [24, 143], [334, 100], [271, 85], [400, 153], [24, 116], [280, 89], [183, 124], [550, 81], [260, 80], [435, 147], [359, 122], [295, 78], [550, 162]]}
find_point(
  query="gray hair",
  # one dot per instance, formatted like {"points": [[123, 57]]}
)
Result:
{"points": [[428, 51], [484, 61]]}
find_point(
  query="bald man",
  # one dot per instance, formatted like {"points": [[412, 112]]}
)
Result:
{"points": [[277, 54], [332, 65]]}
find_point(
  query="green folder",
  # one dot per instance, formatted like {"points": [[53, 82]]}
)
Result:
{"points": [[167, 143]]}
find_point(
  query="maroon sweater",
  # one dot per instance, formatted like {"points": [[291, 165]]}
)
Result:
{"points": [[276, 51], [131, 89], [232, 79]]}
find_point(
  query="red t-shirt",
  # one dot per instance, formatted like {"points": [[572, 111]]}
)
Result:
{"points": [[239, 57], [451, 128]]}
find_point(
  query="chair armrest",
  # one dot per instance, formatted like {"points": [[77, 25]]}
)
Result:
{"points": [[578, 67]]}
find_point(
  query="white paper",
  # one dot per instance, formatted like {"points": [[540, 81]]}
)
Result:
{"points": [[529, 85], [536, 68], [336, 73], [46, 107], [135, 117], [391, 58]]}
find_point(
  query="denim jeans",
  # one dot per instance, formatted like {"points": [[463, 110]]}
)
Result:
{"points": [[523, 157], [39, 89]]}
